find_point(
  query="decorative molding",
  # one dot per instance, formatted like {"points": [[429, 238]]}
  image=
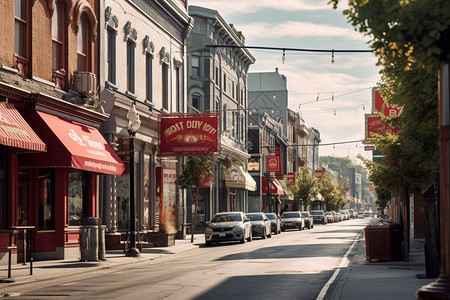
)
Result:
{"points": [[164, 56], [130, 33], [108, 13], [111, 20], [177, 63], [149, 47], [80, 8]]}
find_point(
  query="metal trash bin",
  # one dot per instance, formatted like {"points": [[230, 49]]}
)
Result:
{"points": [[89, 242], [101, 242], [384, 240]]}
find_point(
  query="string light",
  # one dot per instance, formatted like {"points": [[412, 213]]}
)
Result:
{"points": [[332, 96], [284, 56], [364, 108], [317, 99], [332, 56], [334, 112]]}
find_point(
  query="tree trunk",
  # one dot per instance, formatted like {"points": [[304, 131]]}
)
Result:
{"points": [[405, 214], [195, 216]]}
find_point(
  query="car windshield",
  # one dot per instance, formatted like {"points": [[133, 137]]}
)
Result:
{"points": [[317, 213], [290, 215], [255, 217], [226, 218], [271, 216], [305, 214]]}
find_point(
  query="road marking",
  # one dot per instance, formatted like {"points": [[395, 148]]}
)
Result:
{"points": [[343, 264]]}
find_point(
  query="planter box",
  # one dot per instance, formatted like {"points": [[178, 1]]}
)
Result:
{"points": [[161, 239]]}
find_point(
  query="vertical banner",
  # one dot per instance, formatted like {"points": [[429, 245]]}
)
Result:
{"points": [[168, 194], [273, 164], [291, 178]]}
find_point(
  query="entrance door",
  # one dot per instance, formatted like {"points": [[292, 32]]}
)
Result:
{"points": [[23, 209]]}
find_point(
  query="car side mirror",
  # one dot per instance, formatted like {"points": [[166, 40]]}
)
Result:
{"points": [[266, 219], [246, 220]]}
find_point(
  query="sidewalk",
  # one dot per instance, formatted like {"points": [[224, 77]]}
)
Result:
{"points": [[49, 269], [380, 280]]}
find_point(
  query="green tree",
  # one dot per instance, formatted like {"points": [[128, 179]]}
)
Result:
{"points": [[383, 197], [193, 172], [305, 187], [409, 52], [332, 193]]}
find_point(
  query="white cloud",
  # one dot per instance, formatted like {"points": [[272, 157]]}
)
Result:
{"points": [[237, 7], [298, 30]]}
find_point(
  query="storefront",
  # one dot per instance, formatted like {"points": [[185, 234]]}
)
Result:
{"points": [[272, 190], [60, 186], [16, 136]]}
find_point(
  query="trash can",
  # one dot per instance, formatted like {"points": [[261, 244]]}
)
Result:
{"points": [[89, 242], [92, 240], [383, 240]]}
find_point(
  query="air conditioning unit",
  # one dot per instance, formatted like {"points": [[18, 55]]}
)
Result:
{"points": [[85, 83]]}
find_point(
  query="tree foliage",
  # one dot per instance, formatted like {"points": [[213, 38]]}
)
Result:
{"points": [[331, 193], [305, 187]]}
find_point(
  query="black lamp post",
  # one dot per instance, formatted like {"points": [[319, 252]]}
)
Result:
{"points": [[133, 125]]}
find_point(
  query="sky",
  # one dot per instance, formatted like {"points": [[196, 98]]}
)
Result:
{"points": [[332, 98]]}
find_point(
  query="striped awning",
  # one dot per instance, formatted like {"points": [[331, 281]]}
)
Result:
{"points": [[15, 131]]}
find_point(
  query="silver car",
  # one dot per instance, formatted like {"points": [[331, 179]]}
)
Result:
{"points": [[260, 224], [292, 219], [228, 226]]}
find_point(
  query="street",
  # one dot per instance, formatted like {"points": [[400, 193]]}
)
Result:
{"points": [[292, 265]]}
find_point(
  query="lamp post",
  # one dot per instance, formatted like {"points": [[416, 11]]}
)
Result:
{"points": [[133, 125]]}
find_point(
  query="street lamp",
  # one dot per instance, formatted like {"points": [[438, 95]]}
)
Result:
{"points": [[133, 125]]}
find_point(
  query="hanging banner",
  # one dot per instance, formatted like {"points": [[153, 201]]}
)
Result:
{"points": [[189, 134], [273, 164], [291, 178]]}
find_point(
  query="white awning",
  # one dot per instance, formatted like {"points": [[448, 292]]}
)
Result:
{"points": [[237, 178]]}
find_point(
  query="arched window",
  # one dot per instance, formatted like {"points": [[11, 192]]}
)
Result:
{"points": [[82, 46]]}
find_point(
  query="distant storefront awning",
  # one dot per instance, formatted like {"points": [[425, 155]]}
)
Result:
{"points": [[275, 186], [236, 177], [71, 144], [15, 131]]}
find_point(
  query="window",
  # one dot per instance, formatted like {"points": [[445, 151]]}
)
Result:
{"points": [[196, 101], [195, 65], [148, 76], [179, 90], [224, 83], [57, 38], [46, 199], [224, 119], [232, 85], [78, 206], [217, 76], [130, 65], [20, 27], [165, 85], [111, 55], [82, 46], [3, 187]]}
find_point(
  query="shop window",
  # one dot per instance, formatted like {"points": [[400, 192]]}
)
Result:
{"points": [[82, 46], [46, 199], [3, 187], [21, 20], [111, 54], [78, 206]]}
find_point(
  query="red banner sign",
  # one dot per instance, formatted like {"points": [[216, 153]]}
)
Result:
{"points": [[273, 164], [291, 178], [319, 173], [374, 125], [189, 134], [389, 110]]}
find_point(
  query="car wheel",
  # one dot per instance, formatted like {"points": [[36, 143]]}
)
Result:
{"points": [[208, 243], [264, 235], [282, 229], [243, 240]]}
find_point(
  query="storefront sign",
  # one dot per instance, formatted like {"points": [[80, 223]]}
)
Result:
{"points": [[189, 134], [386, 109], [319, 173], [253, 164], [375, 126]]}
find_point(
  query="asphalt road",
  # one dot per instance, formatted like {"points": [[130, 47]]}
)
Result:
{"points": [[292, 265]]}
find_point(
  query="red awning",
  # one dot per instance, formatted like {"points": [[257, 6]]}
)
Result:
{"points": [[72, 144], [15, 131], [275, 187]]}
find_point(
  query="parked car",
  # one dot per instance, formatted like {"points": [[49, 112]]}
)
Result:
{"points": [[330, 217], [275, 222], [338, 217], [260, 224], [367, 214], [319, 217], [309, 222], [345, 214], [228, 226], [292, 220], [353, 213], [360, 215]]}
